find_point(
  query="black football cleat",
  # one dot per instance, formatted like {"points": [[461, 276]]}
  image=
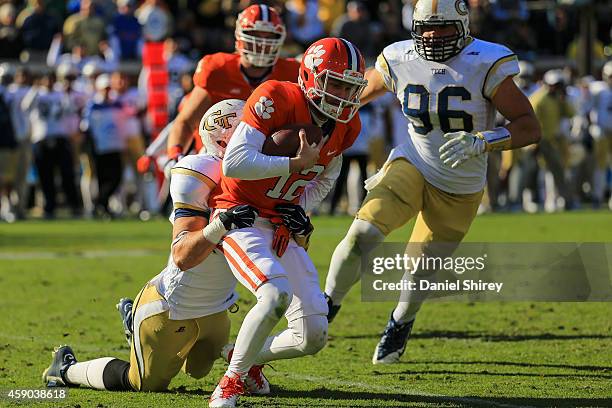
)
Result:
{"points": [[332, 309], [55, 374], [125, 311], [392, 342]]}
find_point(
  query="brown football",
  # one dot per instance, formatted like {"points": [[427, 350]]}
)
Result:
{"points": [[286, 141]]}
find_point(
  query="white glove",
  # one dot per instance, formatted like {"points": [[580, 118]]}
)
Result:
{"points": [[460, 147]]}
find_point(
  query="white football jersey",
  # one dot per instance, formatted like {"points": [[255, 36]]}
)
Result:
{"points": [[601, 115], [439, 98], [207, 288], [49, 111]]}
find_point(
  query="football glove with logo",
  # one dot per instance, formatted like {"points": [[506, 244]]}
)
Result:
{"points": [[296, 220], [239, 216]]}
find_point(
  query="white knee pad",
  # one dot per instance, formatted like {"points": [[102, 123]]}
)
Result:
{"points": [[363, 236], [275, 295], [310, 333]]}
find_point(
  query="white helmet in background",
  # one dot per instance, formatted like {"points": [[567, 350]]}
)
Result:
{"points": [[555, 77], [218, 124], [526, 69], [65, 70], [93, 68], [7, 72], [440, 13]]}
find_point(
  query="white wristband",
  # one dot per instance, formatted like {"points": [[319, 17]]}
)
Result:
{"points": [[214, 231]]}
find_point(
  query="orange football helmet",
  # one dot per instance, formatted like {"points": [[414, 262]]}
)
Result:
{"points": [[259, 49]]}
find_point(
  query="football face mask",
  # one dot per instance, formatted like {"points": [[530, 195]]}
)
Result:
{"points": [[332, 78], [260, 34], [440, 28], [337, 95]]}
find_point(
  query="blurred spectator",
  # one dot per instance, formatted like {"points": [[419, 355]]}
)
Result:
{"points": [[155, 20], [8, 143], [102, 121], [390, 15], [357, 27], [575, 52], [563, 30], [303, 24], [131, 129], [177, 65], [85, 29], [14, 96], [126, 31], [38, 26], [550, 106], [10, 40], [47, 109], [601, 131], [509, 10], [329, 11]]}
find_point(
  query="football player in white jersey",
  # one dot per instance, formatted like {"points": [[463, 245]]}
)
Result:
{"points": [[601, 130], [179, 319], [450, 86]]}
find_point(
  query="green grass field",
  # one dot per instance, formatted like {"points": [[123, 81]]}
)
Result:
{"points": [[59, 282]]}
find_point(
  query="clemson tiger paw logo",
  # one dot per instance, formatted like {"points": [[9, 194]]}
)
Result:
{"points": [[264, 107], [313, 58]]}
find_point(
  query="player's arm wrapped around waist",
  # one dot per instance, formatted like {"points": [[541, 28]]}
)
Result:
{"points": [[193, 244]]}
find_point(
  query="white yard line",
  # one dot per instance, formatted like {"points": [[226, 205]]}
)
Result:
{"points": [[89, 254], [402, 391]]}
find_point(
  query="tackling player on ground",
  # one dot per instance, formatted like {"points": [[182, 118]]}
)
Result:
{"points": [[260, 34], [450, 86], [264, 258], [179, 319]]}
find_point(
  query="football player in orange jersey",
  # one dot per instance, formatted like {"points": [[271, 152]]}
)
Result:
{"points": [[260, 33], [267, 259]]}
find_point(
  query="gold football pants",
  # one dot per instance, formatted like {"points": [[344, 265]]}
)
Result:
{"points": [[161, 347], [403, 193]]}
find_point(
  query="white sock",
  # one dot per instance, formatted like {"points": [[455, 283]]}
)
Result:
{"points": [[273, 299], [89, 373], [345, 265], [304, 336]]}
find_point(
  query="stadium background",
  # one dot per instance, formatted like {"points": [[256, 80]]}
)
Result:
{"points": [[88, 38], [60, 280]]}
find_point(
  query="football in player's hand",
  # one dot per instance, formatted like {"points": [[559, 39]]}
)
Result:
{"points": [[286, 141]]}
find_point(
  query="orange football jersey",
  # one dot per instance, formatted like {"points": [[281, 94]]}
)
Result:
{"points": [[221, 76], [273, 105]]}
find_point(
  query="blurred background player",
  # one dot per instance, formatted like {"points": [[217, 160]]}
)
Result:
{"points": [[8, 144], [49, 110], [174, 327], [438, 174], [551, 106], [601, 130], [104, 121], [260, 33], [13, 96], [265, 259]]}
